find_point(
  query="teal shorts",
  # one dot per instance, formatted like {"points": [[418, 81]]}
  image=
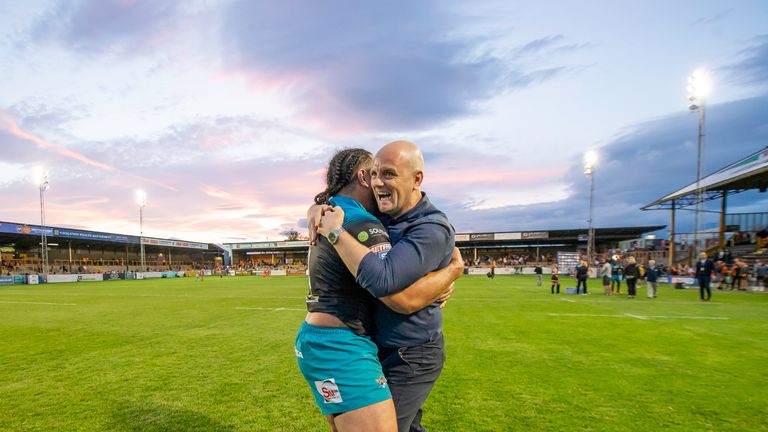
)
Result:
{"points": [[341, 367]]}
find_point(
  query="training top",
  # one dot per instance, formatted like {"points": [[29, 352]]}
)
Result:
{"points": [[616, 269], [422, 241], [332, 288]]}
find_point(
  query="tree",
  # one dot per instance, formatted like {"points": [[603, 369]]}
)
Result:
{"points": [[293, 234]]}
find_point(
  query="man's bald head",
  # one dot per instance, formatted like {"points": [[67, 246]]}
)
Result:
{"points": [[404, 154], [396, 176]]}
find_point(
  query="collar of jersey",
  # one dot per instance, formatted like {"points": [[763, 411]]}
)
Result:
{"points": [[342, 201]]}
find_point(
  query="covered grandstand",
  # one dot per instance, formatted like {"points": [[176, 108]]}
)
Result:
{"points": [[74, 250], [535, 246], [748, 173]]}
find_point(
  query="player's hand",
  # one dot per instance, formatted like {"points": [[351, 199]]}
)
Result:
{"points": [[445, 295], [457, 262], [331, 220], [314, 213]]}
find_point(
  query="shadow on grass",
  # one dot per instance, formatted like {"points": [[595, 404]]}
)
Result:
{"points": [[129, 416]]}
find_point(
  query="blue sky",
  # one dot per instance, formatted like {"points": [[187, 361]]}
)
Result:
{"points": [[226, 112]]}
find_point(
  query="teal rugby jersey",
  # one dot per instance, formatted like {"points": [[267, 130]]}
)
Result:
{"points": [[332, 288]]}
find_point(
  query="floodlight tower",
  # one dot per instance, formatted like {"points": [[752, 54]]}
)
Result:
{"points": [[141, 200], [43, 185], [590, 159], [698, 91]]}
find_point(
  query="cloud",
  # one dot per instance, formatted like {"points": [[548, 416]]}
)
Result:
{"points": [[537, 45], [379, 65], [107, 26], [639, 165], [8, 125], [713, 18], [753, 67]]}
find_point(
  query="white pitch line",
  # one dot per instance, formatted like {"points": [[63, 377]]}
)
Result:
{"points": [[686, 317], [269, 309], [569, 300], [641, 317], [38, 303]]}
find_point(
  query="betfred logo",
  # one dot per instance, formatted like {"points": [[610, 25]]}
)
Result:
{"points": [[379, 248], [329, 390]]}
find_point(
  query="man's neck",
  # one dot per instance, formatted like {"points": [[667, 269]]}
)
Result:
{"points": [[415, 200]]}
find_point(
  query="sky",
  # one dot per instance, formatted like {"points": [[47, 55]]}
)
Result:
{"points": [[226, 113]]}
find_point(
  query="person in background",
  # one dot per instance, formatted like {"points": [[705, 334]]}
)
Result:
{"points": [[605, 275], [721, 271], [652, 278], [582, 274], [735, 274], [616, 273], [539, 272], [704, 269], [555, 280], [631, 274]]}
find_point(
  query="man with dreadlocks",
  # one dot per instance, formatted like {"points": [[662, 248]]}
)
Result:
{"points": [[333, 347], [411, 347]]}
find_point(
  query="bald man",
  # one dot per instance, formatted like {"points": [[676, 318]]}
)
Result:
{"points": [[411, 347]]}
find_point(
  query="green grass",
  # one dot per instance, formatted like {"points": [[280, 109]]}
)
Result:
{"points": [[178, 355]]}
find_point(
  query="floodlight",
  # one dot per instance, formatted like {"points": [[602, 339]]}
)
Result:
{"points": [[141, 198], [699, 85], [590, 159], [40, 177]]}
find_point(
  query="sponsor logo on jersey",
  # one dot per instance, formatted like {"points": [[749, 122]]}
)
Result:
{"points": [[329, 390], [362, 236], [374, 231], [380, 248]]}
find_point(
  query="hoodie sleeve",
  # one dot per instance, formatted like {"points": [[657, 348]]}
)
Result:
{"points": [[418, 253]]}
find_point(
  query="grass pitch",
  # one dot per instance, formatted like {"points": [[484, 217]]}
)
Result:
{"points": [[180, 355]]}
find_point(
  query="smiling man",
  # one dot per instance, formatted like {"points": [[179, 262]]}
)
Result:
{"points": [[411, 347]]}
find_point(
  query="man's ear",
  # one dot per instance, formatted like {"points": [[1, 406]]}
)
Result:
{"points": [[362, 178], [419, 177]]}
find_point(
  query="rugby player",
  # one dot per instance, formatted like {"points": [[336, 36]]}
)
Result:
{"points": [[411, 347], [333, 347]]}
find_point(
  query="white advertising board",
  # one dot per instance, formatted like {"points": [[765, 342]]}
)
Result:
{"points": [[90, 277]]}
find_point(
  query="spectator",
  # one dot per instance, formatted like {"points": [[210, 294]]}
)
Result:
{"points": [[631, 274], [704, 269], [582, 274], [605, 275], [555, 280], [651, 277], [616, 273]]}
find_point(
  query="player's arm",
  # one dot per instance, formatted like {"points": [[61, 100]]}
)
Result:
{"points": [[414, 256], [434, 286]]}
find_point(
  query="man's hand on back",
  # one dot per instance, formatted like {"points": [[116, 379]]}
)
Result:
{"points": [[314, 214], [331, 220]]}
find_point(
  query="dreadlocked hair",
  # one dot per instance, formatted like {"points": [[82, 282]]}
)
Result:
{"points": [[342, 171]]}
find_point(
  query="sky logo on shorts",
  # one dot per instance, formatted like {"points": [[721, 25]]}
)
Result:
{"points": [[382, 381], [329, 390]]}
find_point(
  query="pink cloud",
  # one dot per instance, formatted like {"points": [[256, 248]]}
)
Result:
{"points": [[9, 124]]}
